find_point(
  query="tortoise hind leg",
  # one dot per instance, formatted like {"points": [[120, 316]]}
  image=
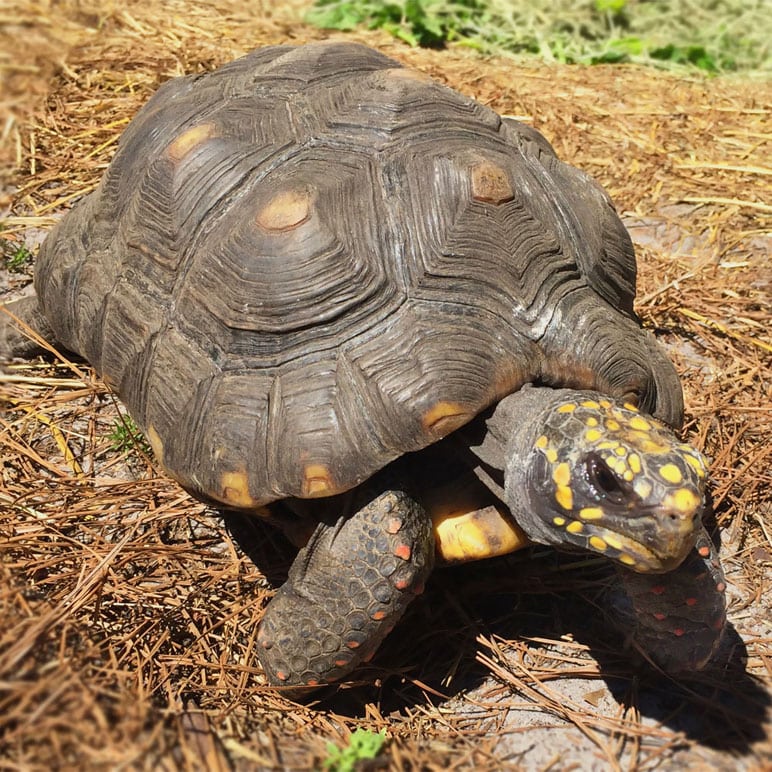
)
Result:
{"points": [[345, 591], [679, 617], [15, 340]]}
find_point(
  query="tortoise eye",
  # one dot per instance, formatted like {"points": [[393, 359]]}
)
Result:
{"points": [[604, 482]]}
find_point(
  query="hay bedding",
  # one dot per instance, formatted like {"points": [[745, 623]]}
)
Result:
{"points": [[129, 616]]}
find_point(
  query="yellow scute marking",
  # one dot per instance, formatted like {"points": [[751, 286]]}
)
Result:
{"points": [[634, 460], [190, 139], [286, 210], [552, 455], [317, 481], [481, 533], [612, 425], [628, 560], [569, 407], [575, 527], [155, 443], [542, 442], [591, 403], [235, 488], [671, 473], [444, 417], [593, 435]]}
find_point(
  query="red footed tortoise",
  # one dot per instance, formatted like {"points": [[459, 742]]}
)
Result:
{"points": [[305, 269]]}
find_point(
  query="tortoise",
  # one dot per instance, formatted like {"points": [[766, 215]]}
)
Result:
{"points": [[348, 299]]}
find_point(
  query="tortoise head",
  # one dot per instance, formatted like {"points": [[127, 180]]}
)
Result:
{"points": [[598, 475]]}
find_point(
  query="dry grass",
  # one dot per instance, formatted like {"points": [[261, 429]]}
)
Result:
{"points": [[129, 616]]}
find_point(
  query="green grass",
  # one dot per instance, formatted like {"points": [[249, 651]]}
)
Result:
{"points": [[126, 436], [710, 35], [17, 257], [363, 745]]}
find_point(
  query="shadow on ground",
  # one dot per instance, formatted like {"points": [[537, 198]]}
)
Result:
{"points": [[432, 654]]}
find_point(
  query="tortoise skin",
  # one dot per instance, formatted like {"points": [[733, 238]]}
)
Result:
{"points": [[316, 260]]}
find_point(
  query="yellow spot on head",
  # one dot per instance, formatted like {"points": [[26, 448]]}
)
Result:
{"points": [[628, 475], [591, 421], [685, 501], [634, 460], [639, 423], [591, 403], [671, 473], [604, 403], [591, 513], [189, 140], [444, 417], [569, 407], [630, 406], [628, 560], [551, 454], [620, 451], [607, 445], [559, 520], [542, 442], [562, 474], [575, 527], [642, 487], [235, 489], [695, 463], [564, 497], [597, 543], [613, 541], [286, 210], [593, 435], [317, 481], [612, 425]]}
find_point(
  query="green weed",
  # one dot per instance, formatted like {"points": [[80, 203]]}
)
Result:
{"points": [[362, 745], [713, 36], [126, 436], [17, 257]]}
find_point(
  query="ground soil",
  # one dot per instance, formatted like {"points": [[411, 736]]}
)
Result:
{"points": [[128, 610]]}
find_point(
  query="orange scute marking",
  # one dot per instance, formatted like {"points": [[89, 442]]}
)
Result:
{"points": [[190, 139], [317, 481], [490, 183], [286, 210], [444, 417]]}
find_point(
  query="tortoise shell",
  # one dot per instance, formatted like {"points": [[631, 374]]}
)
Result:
{"points": [[313, 260]]}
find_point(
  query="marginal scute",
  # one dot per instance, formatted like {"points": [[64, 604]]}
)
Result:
{"points": [[317, 481], [443, 417], [191, 138], [235, 489]]}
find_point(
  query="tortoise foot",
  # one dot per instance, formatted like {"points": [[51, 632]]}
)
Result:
{"points": [[345, 591], [680, 616]]}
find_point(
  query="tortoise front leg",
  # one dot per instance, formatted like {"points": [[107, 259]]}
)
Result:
{"points": [[345, 591], [679, 616]]}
